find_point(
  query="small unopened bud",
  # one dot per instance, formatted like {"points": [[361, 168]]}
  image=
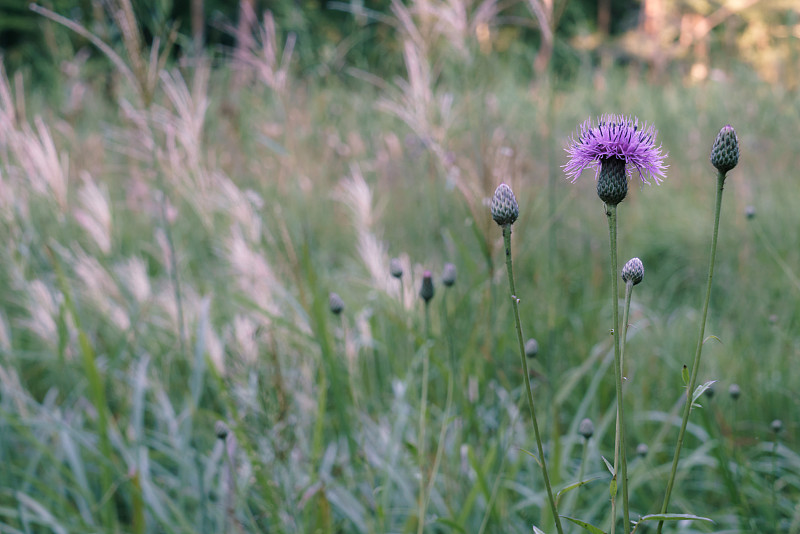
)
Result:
{"points": [[776, 425], [586, 428], [336, 303], [750, 212], [612, 182], [396, 268], [725, 152], [449, 275], [531, 348], [505, 209], [642, 449], [221, 430], [426, 291], [633, 271], [709, 392], [734, 391]]}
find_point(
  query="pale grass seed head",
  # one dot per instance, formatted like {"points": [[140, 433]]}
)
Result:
{"points": [[132, 274], [245, 330], [94, 215], [43, 305], [100, 289], [252, 272]]}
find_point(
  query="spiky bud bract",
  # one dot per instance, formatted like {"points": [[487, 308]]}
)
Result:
{"points": [[505, 209], [531, 348], [725, 152], [633, 271], [335, 303], [612, 183], [426, 290], [449, 275], [586, 428], [396, 268]]}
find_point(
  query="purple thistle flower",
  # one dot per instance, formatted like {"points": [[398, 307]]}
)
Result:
{"points": [[618, 137]]}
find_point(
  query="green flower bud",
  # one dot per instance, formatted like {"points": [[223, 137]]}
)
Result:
{"points": [[426, 291], [633, 271], [505, 209], [449, 275], [586, 428], [725, 152], [531, 348], [396, 268], [612, 182], [221, 430], [336, 303]]}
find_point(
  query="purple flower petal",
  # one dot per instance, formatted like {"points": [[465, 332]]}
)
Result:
{"points": [[616, 136]]}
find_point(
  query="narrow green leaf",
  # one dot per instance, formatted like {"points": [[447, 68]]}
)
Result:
{"points": [[537, 530], [612, 488], [573, 486], [529, 453], [584, 525], [674, 517], [609, 466], [451, 523], [699, 390], [685, 375]]}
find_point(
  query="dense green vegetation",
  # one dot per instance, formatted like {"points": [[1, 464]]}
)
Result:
{"points": [[169, 361]]}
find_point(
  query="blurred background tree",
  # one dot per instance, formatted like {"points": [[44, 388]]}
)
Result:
{"points": [[696, 39]]}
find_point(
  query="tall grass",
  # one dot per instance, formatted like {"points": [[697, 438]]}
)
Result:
{"points": [[200, 236]]}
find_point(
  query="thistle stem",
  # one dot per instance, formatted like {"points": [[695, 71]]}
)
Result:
{"points": [[423, 501], [619, 451], [696, 364], [515, 303]]}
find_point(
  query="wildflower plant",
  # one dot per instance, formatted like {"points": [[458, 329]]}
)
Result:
{"points": [[616, 148], [505, 211], [724, 157]]}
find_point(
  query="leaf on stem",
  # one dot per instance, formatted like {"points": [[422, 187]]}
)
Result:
{"points": [[584, 525]]}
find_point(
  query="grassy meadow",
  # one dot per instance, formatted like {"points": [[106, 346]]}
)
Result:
{"points": [[169, 361]]}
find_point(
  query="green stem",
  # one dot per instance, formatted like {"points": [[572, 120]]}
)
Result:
{"points": [[422, 420], [515, 303], [620, 458], [696, 364]]}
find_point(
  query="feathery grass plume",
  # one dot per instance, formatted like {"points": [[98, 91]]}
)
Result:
{"points": [[335, 303], [734, 391], [724, 156], [505, 211], [531, 348], [725, 152], [449, 274]]}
